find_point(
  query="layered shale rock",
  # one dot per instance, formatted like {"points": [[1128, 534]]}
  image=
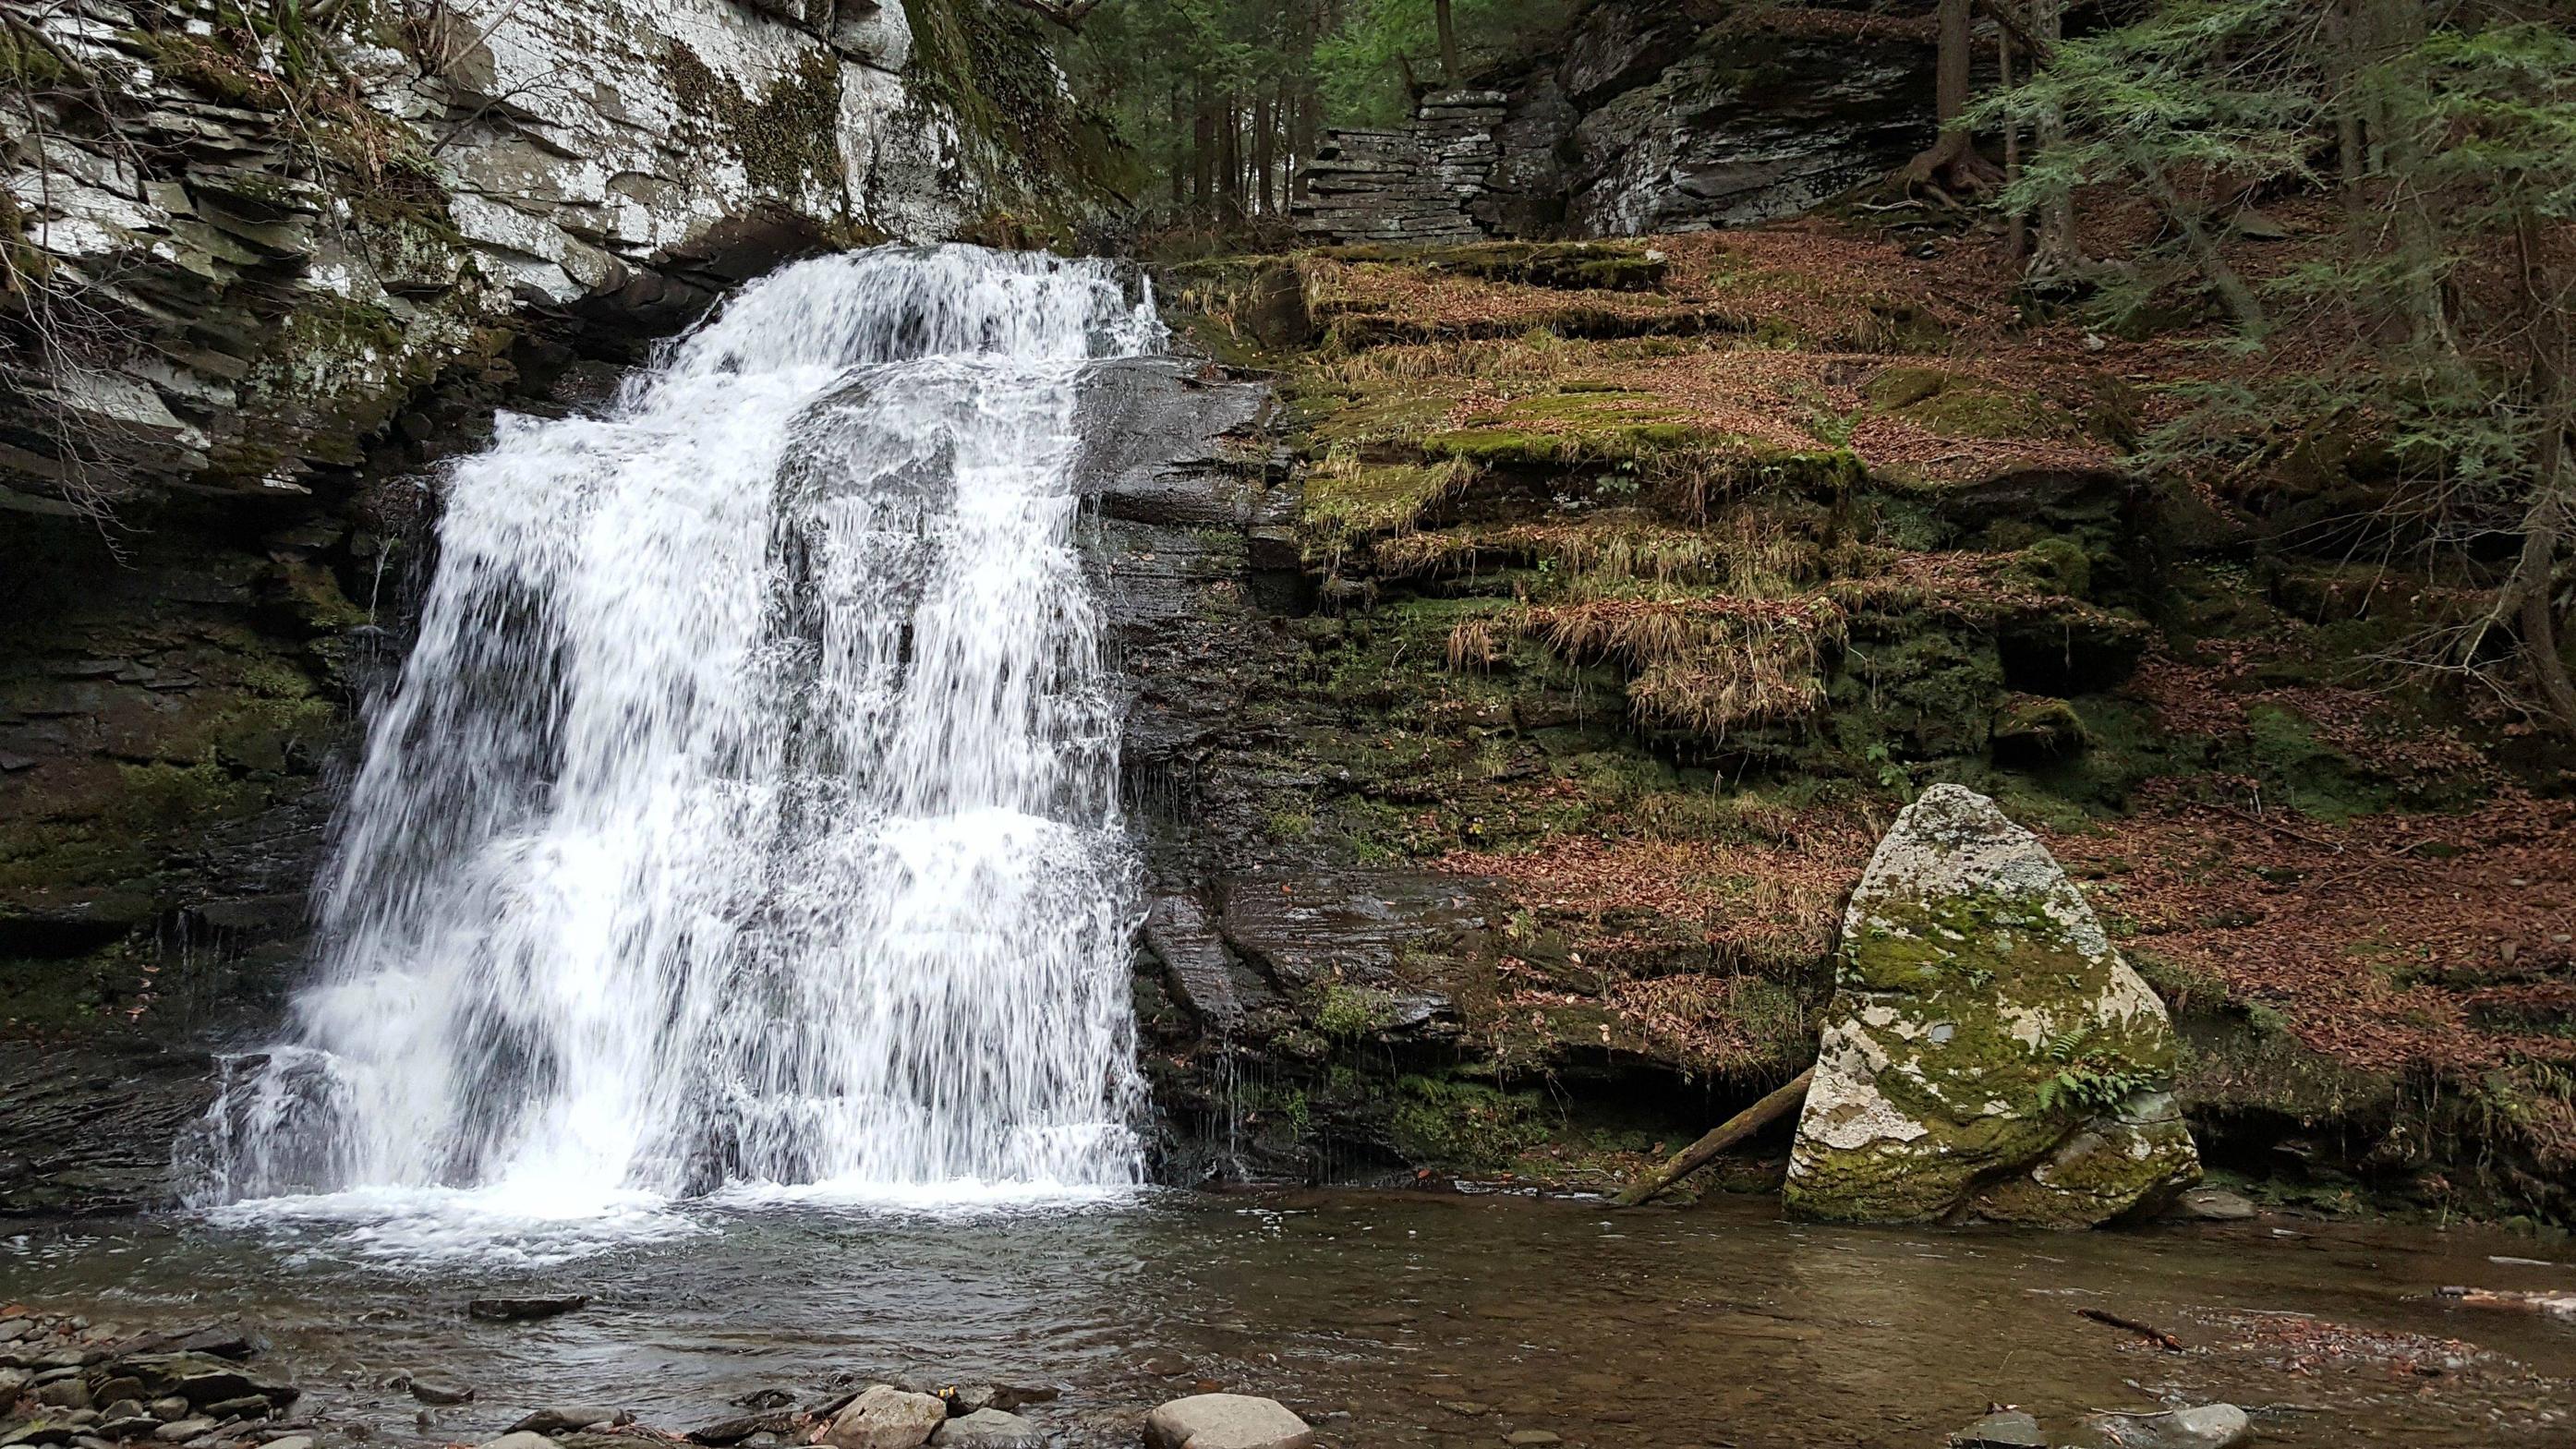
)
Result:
{"points": [[1416, 184], [235, 253], [1987, 1054], [1647, 116], [1659, 123]]}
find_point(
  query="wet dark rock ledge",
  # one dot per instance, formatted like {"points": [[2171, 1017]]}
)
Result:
{"points": [[1301, 1017]]}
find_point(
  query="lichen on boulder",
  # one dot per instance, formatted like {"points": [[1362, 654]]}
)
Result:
{"points": [[1988, 1056]]}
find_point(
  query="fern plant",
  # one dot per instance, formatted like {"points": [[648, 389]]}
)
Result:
{"points": [[2091, 1076]]}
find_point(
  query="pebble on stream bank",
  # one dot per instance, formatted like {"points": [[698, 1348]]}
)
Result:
{"points": [[1226, 1421], [90, 1386], [2202, 1426], [885, 1417]]}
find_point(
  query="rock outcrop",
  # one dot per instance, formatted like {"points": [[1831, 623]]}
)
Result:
{"points": [[1648, 116], [1987, 1054], [234, 257], [1659, 120]]}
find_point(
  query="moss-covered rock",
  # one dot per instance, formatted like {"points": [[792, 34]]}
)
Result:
{"points": [[2035, 727], [1958, 405], [1566, 266], [1987, 1054]]}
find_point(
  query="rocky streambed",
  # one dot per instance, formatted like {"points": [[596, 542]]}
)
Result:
{"points": [[1380, 1319]]}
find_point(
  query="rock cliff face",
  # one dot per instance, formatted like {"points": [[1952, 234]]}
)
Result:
{"points": [[236, 253], [1651, 116], [1659, 120], [1987, 1054], [258, 281]]}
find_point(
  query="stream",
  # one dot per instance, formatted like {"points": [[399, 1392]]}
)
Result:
{"points": [[1388, 1319]]}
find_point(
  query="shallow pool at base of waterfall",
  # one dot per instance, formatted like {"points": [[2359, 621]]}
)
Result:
{"points": [[1389, 1320]]}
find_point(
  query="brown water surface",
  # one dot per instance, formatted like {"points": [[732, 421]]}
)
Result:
{"points": [[1397, 1320]]}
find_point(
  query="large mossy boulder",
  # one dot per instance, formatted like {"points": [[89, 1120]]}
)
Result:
{"points": [[1987, 1055]]}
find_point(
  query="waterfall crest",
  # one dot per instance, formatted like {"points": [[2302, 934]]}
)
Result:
{"points": [[747, 809]]}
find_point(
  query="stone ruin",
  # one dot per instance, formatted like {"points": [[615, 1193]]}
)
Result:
{"points": [[1416, 184]]}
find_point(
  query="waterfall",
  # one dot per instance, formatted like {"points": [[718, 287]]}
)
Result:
{"points": [[747, 809]]}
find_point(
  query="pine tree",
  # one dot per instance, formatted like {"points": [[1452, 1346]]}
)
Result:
{"points": [[2437, 339]]}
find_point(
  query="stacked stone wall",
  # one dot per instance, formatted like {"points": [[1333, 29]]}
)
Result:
{"points": [[1419, 183]]}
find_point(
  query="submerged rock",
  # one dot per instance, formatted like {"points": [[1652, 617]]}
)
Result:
{"points": [[2205, 1426], [2214, 1205], [885, 1417], [1226, 1421], [440, 1389], [1987, 1054], [727, 1431], [565, 1418], [521, 1310], [2003, 1429], [988, 1429]]}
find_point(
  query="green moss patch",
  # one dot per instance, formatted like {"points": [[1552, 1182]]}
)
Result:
{"points": [[1960, 405], [1345, 501], [788, 136], [1463, 1126]]}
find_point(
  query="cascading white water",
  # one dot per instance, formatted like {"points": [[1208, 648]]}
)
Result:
{"points": [[747, 809]]}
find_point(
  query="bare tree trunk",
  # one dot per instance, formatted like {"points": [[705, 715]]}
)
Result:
{"points": [[2241, 302], [1265, 132], [1951, 160], [2352, 160], [1233, 157], [1321, 20], [1451, 73], [2526, 595], [1309, 128], [1203, 151], [2056, 255], [2401, 125], [1180, 113], [2531, 591], [2548, 664], [2017, 222]]}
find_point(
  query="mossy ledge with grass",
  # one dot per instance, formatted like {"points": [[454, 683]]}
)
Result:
{"points": [[1634, 634]]}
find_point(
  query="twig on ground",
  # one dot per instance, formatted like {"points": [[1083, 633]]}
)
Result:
{"points": [[2147, 1331]]}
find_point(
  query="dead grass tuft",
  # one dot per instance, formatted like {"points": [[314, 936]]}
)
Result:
{"points": [[1703, 665]]}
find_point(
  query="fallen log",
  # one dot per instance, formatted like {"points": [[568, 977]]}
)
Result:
{"points": [[1726, 1134]]}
